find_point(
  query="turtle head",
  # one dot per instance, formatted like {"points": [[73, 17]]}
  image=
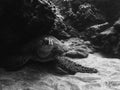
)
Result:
{"points": [[44, 47]]}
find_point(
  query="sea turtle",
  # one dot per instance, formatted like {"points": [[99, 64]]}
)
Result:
{"points": [[48, 48]]}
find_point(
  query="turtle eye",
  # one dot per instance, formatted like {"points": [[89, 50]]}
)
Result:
{"points": [[46, 42]]}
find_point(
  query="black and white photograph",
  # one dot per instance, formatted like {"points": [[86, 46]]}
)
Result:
{"points": [[59, 45]]}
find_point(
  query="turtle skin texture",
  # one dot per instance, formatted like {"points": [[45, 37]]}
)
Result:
{"points": [[49, 48], [71, 67], [63, 55]]}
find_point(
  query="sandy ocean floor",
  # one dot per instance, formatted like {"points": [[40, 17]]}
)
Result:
{"points": [[39, 78]]}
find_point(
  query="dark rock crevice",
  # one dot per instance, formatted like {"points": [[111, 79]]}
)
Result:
{"points": [[22, 21]]}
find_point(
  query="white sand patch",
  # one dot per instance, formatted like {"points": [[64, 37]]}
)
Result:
{"points": [[108, 77]]}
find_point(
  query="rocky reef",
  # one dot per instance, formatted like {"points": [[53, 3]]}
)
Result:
{"points": [[107, 40], [87, 28], [23, 21], [94, 20], [79, 13]]}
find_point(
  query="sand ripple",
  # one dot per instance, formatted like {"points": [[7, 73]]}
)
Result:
{"points": [[108, 77]]}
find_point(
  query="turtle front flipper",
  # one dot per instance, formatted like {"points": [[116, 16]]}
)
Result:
{"points": [[72, 67]]}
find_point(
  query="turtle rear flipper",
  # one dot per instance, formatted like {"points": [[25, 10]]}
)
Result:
{"points": [[16, 62]]}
